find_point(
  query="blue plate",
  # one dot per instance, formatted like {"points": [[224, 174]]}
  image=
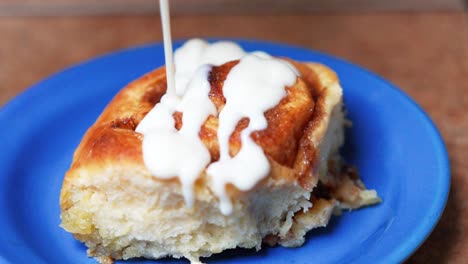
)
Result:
{"points": [[393, 142]]}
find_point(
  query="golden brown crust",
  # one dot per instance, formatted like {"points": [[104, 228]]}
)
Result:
{"points": [[317, 77], [295, 126]]}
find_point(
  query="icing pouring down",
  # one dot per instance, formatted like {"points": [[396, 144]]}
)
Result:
{"points": [[257, 83]]}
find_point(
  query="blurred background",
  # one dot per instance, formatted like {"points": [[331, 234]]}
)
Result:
{"points": [[419, 45]]}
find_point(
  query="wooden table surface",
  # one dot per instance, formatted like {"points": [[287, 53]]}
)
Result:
{"points": [[425, 53]]}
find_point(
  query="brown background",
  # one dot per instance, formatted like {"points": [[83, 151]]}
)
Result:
{"points": [[421, 46]]}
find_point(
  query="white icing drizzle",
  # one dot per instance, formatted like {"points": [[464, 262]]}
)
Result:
{"points": [[256, 84], [169, 153], [197, 52]]}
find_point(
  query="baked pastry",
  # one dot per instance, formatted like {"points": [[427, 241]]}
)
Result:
{"points": [[112, 202]]}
